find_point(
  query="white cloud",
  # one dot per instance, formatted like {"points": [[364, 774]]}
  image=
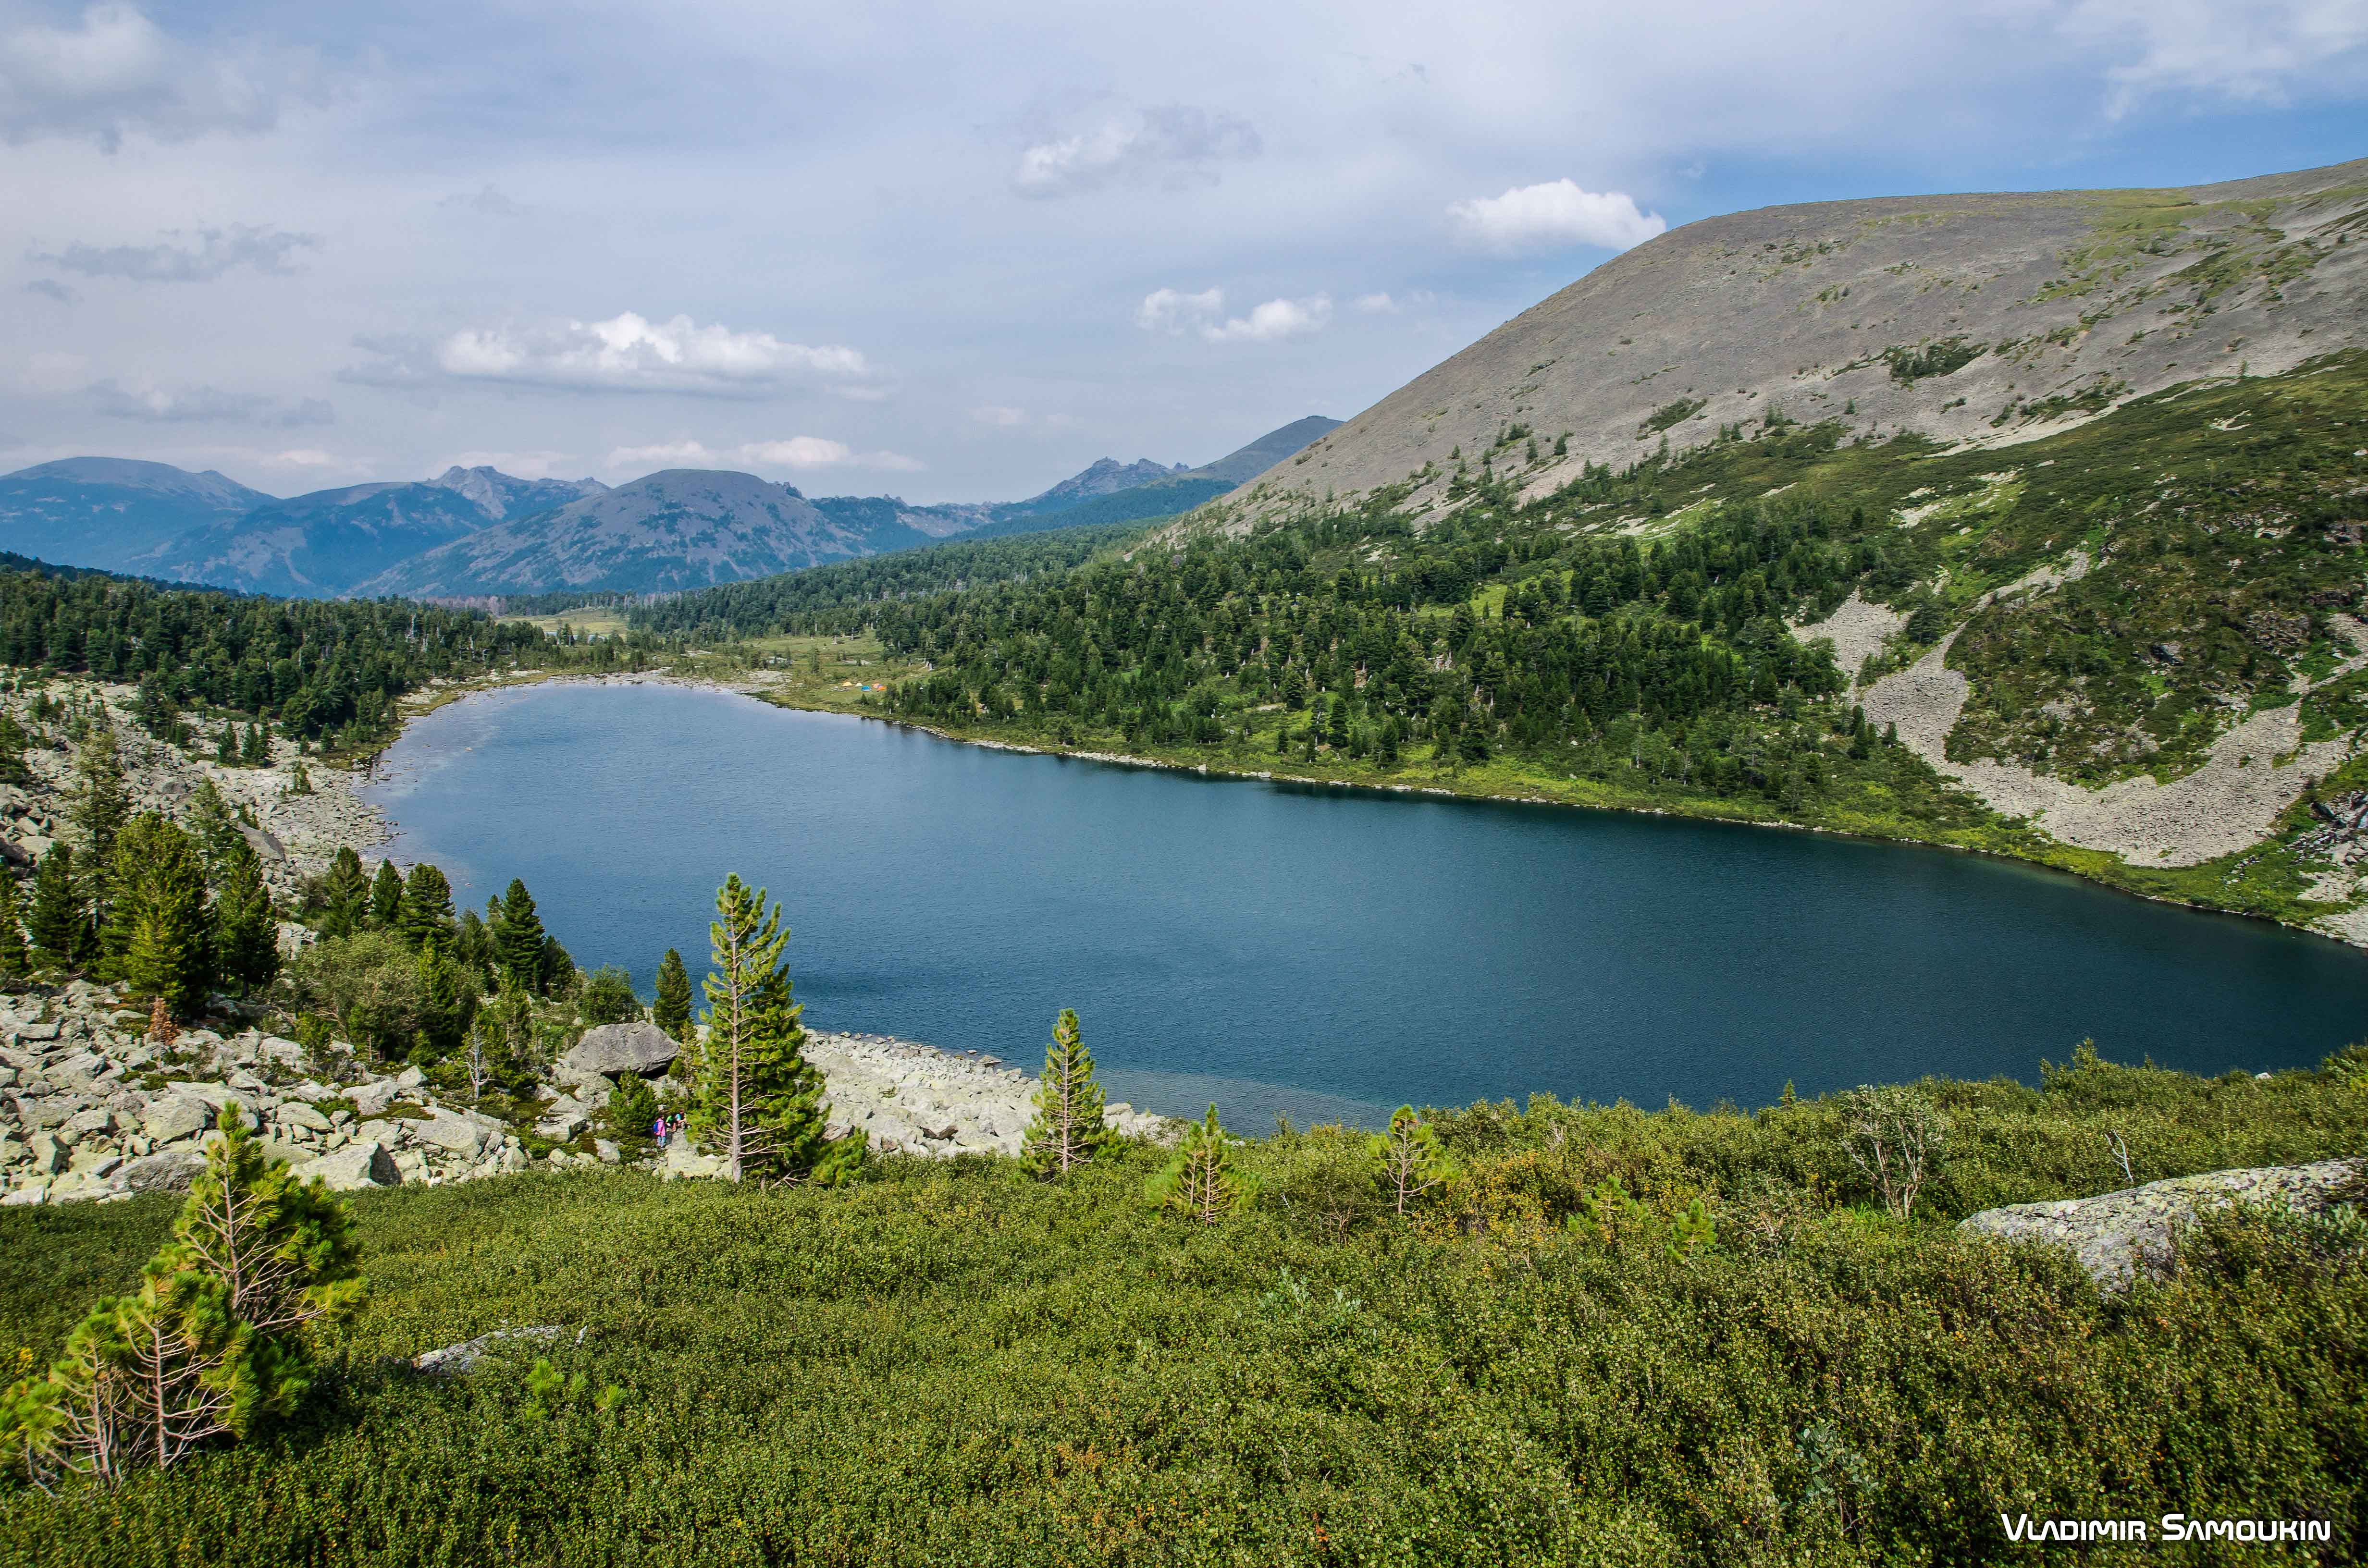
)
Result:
{"points": [[1171, 144], [1000, 417], [155, 405], [802, 453], [117, 71], [1175, 314], [1172, 312], [2193, 46], [630, 353], [1275, 320], [217, 251], [1552, 215], [1375, 305]]}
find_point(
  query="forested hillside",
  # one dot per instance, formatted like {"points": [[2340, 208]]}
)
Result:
{"points": [[1647, 637], [317, 670]]}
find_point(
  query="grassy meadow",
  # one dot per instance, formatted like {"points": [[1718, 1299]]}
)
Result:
{"points": [[959, 1364]]}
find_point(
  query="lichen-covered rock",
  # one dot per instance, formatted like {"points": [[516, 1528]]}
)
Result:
{"points": [[167, 1170], [355, 1167], [621, 1048], [2115, 1236], [176, 1116]]}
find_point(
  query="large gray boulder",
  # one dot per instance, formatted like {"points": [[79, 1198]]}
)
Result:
{"points": [[176, 1116], [355, 1167], [612, 1048], [372, 1099], [167, 1170], [2116, 1236], [455, 1134]]}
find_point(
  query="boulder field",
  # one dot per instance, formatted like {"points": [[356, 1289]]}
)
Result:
{"points": [[92, 1109]]}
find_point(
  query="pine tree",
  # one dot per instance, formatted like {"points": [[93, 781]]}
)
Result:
{"points": [[246, 932], [756, 1092], [169, 953], [1199, 1180], [386, 897], [226, 746], [1068, 1129], [16, 959], [214, 1343], [58, 923], [101, 799], [345, 892], [1411, 1158], [255, 748], [426, 909], [672, 1011], [518, 937]]}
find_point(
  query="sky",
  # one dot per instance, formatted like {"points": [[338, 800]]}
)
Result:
{"points": [[958, 251]]}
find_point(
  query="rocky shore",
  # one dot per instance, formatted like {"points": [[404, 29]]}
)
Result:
{"points": [[92, 1109]]}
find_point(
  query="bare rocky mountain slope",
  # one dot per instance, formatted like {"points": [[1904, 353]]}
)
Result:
{"points": [[1983, 318]]}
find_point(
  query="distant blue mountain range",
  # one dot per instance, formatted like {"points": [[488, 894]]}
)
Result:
{"points": [[477, 531]]}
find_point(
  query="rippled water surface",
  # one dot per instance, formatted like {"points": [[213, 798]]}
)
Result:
{"points": [[1318, 952]]}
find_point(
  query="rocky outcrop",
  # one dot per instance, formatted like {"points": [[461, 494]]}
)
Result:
{"points": [[2121, 1234], [611, 1049], [915, 1099], [91, 1110]]}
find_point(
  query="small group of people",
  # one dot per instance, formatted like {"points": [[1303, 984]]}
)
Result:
{"points": [[665, 1128]]}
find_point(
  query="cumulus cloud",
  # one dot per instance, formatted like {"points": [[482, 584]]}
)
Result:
{"points": [[803, 453], [157, 405], [113, 72], [51, 288], [1552, 215], [1169, 144], [217, 251], [1175, 313], [627, 353], [1375, 305]]}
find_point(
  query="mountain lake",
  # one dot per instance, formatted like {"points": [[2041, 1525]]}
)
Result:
{"points": [[1318, 952]]}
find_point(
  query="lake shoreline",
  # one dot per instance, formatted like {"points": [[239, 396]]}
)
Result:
{"points": [[771, 693]]}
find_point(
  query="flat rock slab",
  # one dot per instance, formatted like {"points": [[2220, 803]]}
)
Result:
{"points": [[353, 1168], [455, 1359], [621, 1048], [167, 1170], [2115, 1236]]}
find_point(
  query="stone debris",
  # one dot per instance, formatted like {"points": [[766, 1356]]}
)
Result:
{"points": [[91, 1111], [916, 1099], [2116, 1236]]}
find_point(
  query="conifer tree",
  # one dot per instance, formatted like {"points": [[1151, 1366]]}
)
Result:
{"points": [[1412, 1160], [246, 932], [168, 955], [426, 909], [1068, 1129], [345, 892], [101, 800], [58, 923], [226, 746], [386, 897], [672, 1010], [1199, 1180], [214, 1341], [756, 1092], [518, 937], [255, 748], [15, 958]]}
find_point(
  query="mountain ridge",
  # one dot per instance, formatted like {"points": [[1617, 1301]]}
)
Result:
{"points": [[1985, 318]]}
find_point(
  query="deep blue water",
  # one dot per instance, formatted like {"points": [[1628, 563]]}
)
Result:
{"points": [[1326, 953]]}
